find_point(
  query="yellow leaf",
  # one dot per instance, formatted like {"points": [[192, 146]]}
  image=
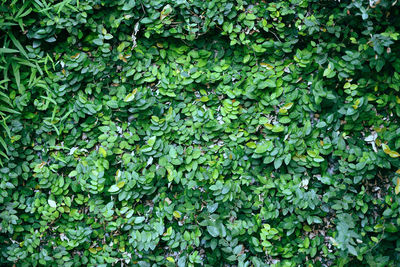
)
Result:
{"points": [[312, 153], [266, 65], [121, 184], [168, 201], [93, 250], [204, 99], [170, 259], [356, 104], [398, 171], [121, 57], [397, 188], [75, 56], [373, 238], [42, 164], [288, 105], [283, 111], [285, 108], [177, 214], [385, 148], [391, 153], [378, 142], [131, 96], [165, 12], [251, 145], [268, 126], [103, 152]]}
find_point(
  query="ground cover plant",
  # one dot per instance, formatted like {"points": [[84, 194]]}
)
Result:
{"points": [[199, 133]]}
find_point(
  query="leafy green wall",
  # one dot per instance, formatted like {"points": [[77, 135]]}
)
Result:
{"points": [[199, 133]]}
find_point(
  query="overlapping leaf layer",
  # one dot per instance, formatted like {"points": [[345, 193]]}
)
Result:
{"points": [[199, 133]]}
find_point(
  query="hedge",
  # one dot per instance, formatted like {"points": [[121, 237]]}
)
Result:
{"points": [[199, 133]]}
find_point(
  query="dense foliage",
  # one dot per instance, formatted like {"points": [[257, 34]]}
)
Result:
{"points": [[192, 132]]}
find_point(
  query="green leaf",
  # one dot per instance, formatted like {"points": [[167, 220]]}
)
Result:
{"points": [[114, 188], [73, 173], [251, 145], [139, 220], [267, 83], [151, 141], [52, 203], [131, 96], [306, 242], [261, 148], [213, 231], [278, 128], [352, 250]]}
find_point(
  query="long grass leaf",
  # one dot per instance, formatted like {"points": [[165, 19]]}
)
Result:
{"points": [[26, 13], [66, 115], [6, 128], [39, 68], [49, 99], [4, 95], [25, 62], [18, 44], [5, 99], [17, 77], [6, 50], [9, 110], [4, 81], [62, 5], [39, 3], [57, 131], [3, 24], [4, 155], [4, 145], [22, 9]]}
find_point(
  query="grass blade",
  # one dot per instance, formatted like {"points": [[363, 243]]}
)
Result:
{"points": [[18, 45], [5, 147], [9, 110], [5, 50]]}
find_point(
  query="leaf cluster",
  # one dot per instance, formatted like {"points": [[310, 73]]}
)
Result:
{"points": [[199, 133]]}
